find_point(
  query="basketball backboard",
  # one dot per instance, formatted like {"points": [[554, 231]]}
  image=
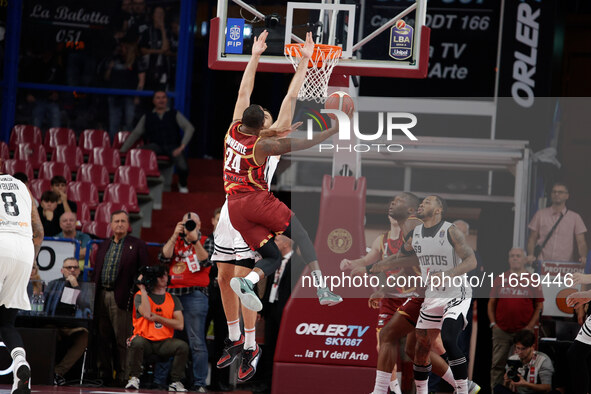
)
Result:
{"points": [[395, 46]]}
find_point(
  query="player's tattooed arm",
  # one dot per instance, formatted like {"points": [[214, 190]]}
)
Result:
{"points": [[278, 146], [37, 228], [464, 251], [395, 261]]}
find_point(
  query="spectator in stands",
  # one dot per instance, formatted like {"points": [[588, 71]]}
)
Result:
{"points": [[174, 48], [61, 301], [138, 23], [161, 130], [21, 176], [219, 377], [510, 310], [189, 268], [35, 286], [47, 212], [43, 67], [68, 226], [570, 230], [154, 45], [156, 314], [535, 373], [59, 186], [124, 71], [121, 20], [117, 262]]}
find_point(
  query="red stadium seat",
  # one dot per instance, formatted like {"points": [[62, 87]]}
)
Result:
{"points": [[71, 155], [145, 159], [83, 192], [120, 140], [106, 157], [59, 136], [123, 194], [22, 133], [12, 166], [134, 176], [94, 138], [35, 154], [4, 151], [105, 209], [49, 169], [100, 230], [38, 186], [83, 214], [94, 173]]}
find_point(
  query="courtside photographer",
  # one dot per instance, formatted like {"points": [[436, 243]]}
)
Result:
{"points": [[188, 268], [156, 314], [527, 371]]}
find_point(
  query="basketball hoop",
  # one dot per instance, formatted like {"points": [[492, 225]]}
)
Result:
{"points": [[320, 66]]}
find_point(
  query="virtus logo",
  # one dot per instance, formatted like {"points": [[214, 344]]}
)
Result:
{"points": [[402, 121]]}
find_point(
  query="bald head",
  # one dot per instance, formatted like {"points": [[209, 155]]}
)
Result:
{"points": [[68, 223], [517, 259]]}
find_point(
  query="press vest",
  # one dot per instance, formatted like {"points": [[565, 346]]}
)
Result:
{"points": [[154, 331]]}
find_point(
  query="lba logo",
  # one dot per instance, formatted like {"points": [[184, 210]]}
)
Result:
{"points": [[395, 121]]}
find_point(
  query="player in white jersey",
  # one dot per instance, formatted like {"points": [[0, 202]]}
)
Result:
{"points": [[580, 350], [443, 254], [21, 235]]}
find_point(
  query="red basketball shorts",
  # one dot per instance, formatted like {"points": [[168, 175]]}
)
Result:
{"points": [[258, 216]]}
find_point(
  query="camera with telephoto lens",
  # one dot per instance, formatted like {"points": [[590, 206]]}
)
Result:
{"points": [[512, 372], [150, 275], [190, 225]]}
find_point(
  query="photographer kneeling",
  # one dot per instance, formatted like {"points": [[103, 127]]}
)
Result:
{"points": [[156, 314], [528, 371]]}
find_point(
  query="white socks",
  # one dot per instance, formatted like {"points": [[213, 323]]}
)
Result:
{"points": [[253, 277], [422, 386], [317, 279], [18, 354], [448, 376], [249, 338], [395, 387], [234, 330], [382, 381], [462, 386]]}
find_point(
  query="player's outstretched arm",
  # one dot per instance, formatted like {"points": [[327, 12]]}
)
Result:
{"points": [[37, 227], [395, 261], [373, 256], [464, 251], [287, 109], [247, 83], [278, 146]]}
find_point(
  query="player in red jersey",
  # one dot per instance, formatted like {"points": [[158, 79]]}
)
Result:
{"points": [[402, 323], [253, 210]]}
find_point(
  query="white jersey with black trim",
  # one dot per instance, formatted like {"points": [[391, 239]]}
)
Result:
{"points": [[15, 207], [435, 251], [270, 169]]}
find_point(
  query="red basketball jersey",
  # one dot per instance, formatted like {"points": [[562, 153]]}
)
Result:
{"points": [[389, 247], [242, 173]]}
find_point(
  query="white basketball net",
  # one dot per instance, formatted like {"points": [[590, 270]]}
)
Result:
{"points": [[323, 60]]}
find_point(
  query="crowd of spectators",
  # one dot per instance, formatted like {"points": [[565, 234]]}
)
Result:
{"points": [[137, 52]]}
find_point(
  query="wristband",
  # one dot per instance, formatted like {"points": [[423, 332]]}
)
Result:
{"points": [[492, 324]]}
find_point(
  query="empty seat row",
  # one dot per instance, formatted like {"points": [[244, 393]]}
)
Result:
{"points": [[73, 158], [90, 138]]}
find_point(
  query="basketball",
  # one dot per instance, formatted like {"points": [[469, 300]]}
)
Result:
{"points": [[341, 101]]}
